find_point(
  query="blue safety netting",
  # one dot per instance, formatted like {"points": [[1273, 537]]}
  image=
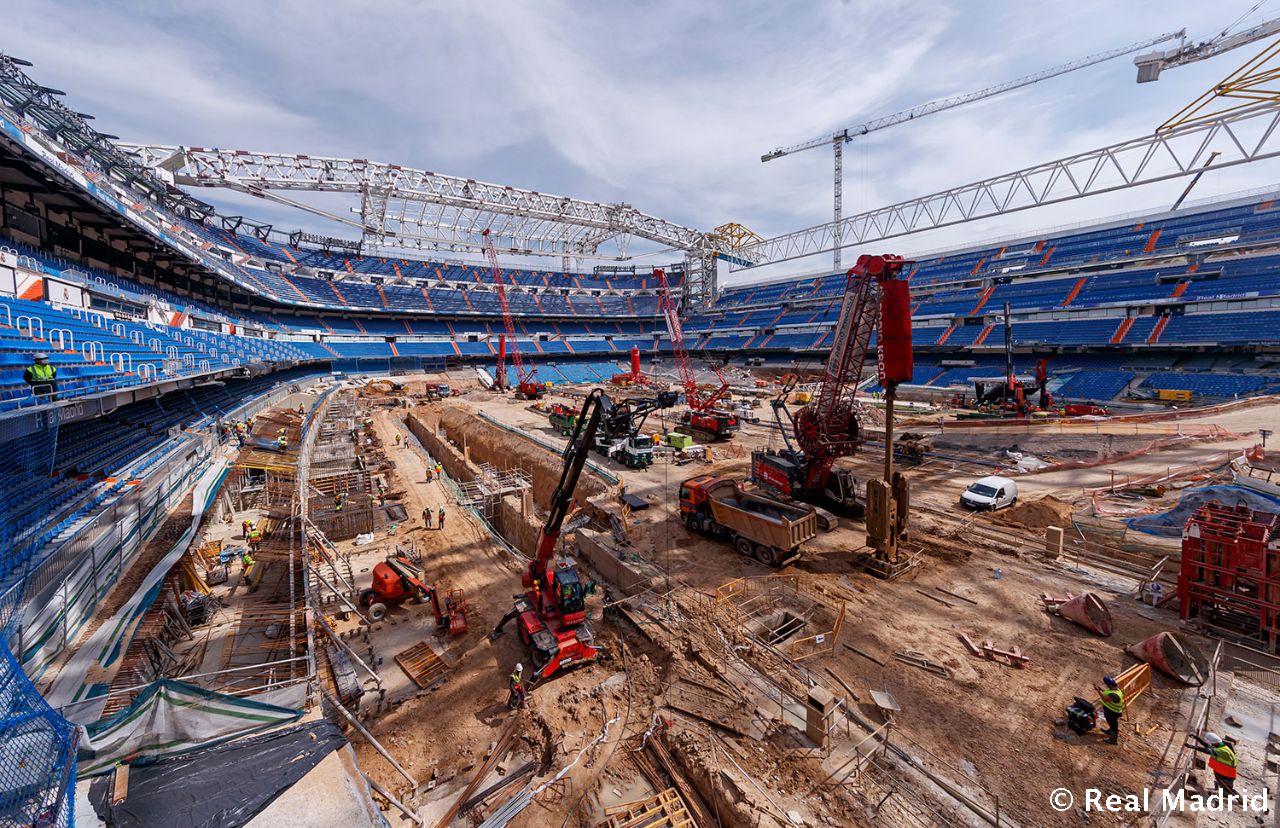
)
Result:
{"points": [[37, 745], [37, 753], [28, 489], [1169, 524]]}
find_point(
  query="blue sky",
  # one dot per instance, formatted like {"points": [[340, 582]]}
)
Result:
{"points": [[665, 105]]}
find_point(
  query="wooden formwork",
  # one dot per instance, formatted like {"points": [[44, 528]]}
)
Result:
{"points": [[664, 810], [422, 664]]}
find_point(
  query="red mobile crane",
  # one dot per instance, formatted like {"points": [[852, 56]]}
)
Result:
{"points": [[526, 387], [552, 612], [828, 428], [703, 419]]}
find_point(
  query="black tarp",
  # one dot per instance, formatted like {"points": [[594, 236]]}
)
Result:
{"points": [[219, 787]]}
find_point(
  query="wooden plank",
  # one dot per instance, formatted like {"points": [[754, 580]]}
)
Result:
{"points": [[120, 784]]}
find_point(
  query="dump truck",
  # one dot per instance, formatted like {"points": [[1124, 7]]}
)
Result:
{"points": [[758, 526], [562, 418]]}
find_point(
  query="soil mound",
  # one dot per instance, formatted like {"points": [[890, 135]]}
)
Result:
{"points": [[1036, 514]]}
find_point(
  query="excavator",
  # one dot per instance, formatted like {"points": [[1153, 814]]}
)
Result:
{"points": [[398, 579], [828, 428], [551, 614]]}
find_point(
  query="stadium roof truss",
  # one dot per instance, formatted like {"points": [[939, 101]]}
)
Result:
{"points": [[406, 207], [1239, 136]]}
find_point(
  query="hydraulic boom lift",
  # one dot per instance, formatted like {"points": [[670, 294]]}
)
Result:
{"points": [[526, 385], [703, 419], [551, 614]]}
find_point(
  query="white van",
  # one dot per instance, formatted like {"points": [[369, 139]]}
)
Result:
{"points": [[990, 493]]}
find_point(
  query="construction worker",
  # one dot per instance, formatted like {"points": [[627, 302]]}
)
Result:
{"points": [[439, 471], [338, 500], [518, 691], [246, 526], [397, 439], [440, 518], [426, 516], [246, 563], [302, 412], [282, 442], [1112, 707], [1222, 760], [255, 538], [41, 376]]}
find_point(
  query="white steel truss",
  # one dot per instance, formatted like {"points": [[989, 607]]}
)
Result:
{"points": [[1241, 137], [426, 208]]}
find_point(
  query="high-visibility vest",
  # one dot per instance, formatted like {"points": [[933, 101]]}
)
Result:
{"points": [[515, 680], [42, 373], [1113, 700], [1223, 761]]}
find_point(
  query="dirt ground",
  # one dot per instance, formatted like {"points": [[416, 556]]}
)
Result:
{"points": [[986, 727]]}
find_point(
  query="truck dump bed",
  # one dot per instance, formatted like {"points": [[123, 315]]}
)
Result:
{"points": [[763, 519]]}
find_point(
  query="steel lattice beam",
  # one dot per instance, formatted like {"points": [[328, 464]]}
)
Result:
{"points": [[423, 205], [1241, 137]]}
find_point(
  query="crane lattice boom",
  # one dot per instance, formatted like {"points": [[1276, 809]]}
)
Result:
{"points": [[671, 314], [828, 428], [942, 104], [525, 373]]}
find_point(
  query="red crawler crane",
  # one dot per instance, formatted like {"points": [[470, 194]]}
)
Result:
{"points": [[828, 428], [526, 386], [703, 419]]}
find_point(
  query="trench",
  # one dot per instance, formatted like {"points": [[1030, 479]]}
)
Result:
{"points": [[462, 442]]}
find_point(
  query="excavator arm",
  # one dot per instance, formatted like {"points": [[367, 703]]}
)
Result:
{"points": [[594, 408]]}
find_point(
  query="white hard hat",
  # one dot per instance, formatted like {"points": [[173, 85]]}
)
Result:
{"points": [[1213, 738], [42, 355], [519, 668]]}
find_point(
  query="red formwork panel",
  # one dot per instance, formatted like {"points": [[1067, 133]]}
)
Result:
{"points": [[1230, 574]]}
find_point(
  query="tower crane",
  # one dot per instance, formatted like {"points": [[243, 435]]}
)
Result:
{"points": [[703, 419], [526, 385], [843, 136], [1152, 64]]}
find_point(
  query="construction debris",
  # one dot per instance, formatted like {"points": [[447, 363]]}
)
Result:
{"points": [[1013, 656]]}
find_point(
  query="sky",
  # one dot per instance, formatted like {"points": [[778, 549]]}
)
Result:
{"points": [[665, 105]]}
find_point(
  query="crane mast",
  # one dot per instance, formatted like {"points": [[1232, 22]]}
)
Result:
{"points": [[527, 386], [827, 428]]}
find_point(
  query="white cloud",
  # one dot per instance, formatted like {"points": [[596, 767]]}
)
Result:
{"points": [[666, 105]]}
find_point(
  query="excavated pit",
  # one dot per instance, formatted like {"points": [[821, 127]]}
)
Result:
{"points": [[462, 441]]}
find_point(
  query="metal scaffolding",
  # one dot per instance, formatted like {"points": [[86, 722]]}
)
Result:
{"points": [[489, 486]]}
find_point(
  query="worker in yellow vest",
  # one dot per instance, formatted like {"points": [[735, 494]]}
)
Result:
{"points": [[1112, 707], [1222, 760], [41, 376]]}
